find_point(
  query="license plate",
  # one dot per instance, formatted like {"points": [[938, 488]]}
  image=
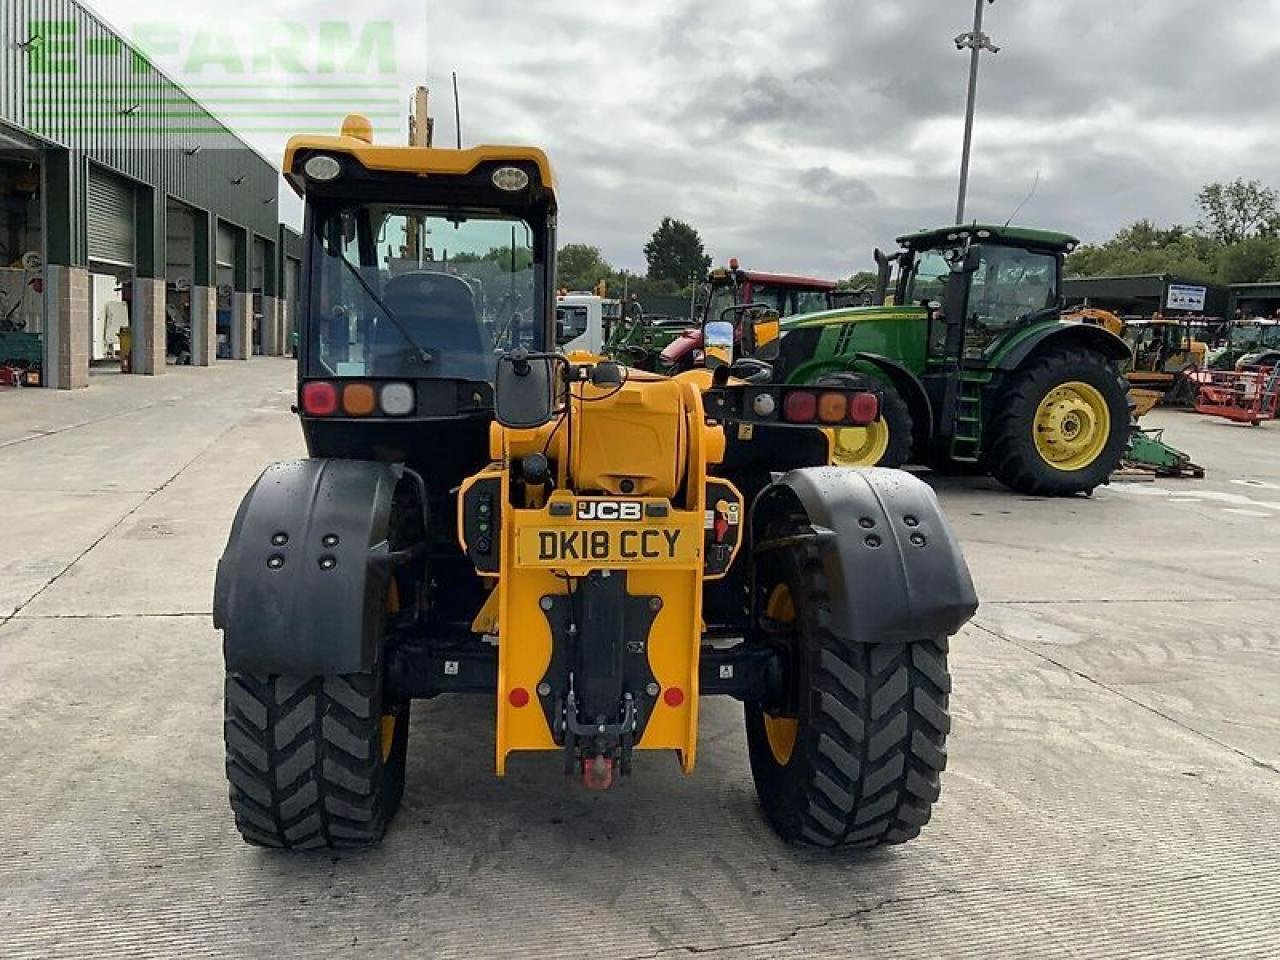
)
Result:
{"points": [[614, 545]]}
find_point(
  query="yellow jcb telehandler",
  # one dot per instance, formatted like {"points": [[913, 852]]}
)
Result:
{"points": [[598, 549]]}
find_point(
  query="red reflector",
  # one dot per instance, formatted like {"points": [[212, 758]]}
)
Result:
{"points": [[673, 696], [518, 697], [864, 407], [319, 399], [801, 406]]}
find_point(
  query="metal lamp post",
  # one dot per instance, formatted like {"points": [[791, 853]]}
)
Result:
{"points": [[975, 41]]}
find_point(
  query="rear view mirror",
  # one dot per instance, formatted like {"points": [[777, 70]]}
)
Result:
{"points": [[527, 389], [964, 260], [717, 344], [763, 336]]}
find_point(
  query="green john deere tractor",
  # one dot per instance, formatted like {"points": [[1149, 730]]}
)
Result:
{"points": [[975, 368]]}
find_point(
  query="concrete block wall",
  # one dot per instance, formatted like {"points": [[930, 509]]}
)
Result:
{"points": [[272, 345], [148, 326], [204, 326], [68, 325], [241, 325]]}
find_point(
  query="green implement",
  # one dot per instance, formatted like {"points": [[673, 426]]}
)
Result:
{"points": [[1148, 451]]}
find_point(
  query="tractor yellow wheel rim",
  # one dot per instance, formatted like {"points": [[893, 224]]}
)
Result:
{"points": [[860, 446], [781, 731], [1072, 426]]}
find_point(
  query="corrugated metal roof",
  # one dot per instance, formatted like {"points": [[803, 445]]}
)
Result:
{"points": [[69, 78]]}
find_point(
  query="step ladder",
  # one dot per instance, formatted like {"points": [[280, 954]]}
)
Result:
{"points": [[966, 439]]}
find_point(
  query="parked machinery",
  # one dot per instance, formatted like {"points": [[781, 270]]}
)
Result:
{"points": [[596, 548], [672, 347], [973, 363]]}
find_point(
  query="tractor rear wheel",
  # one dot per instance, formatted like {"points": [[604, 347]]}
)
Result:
{"points": [[1060, 425], [856, 760], [313, 761], [885, 443]]}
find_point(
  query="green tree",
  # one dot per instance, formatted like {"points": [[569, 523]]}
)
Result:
{"points": [[859, 280], [1252, 260], [1238, 210], [675, 253], [502, 256], [579, 266], [1144, 247]]}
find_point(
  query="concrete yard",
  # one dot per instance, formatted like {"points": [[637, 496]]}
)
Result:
{"points": [[1113, 787]]}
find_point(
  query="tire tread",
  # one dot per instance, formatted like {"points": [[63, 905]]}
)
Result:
{"points": [[304, 765], [866, 764]]}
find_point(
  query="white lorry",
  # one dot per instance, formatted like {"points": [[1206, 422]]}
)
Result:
{"points": [[583, 321]]}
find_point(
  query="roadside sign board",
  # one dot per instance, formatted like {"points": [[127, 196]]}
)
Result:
{"points": [[1183, 296]]}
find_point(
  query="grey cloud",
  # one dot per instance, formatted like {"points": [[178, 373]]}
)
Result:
{"points": [[826, 184], [800, 135]]}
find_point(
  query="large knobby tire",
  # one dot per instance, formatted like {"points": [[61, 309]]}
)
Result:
{"points": [[313, 761], [885, 443], [1060, 425], [859, 763]]}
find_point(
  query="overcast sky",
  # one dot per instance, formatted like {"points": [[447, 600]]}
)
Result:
{"points": [[794, 134]]}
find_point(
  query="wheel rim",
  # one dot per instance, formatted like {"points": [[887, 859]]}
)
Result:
{"points": [[860, 446], [1072, 426], [781, 731]]}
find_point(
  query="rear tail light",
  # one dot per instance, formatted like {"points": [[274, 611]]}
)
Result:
{"points": [[830, 407], [800, 406], [833, 407], [864, 408], [358, 400], [319, 398], [396, 399]]}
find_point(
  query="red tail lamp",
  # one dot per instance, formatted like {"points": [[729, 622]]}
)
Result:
{"points": [[864, 407], [800, 406], [319, 398]]}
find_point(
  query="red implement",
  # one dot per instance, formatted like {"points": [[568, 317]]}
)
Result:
{"points": [[1245, 397]]}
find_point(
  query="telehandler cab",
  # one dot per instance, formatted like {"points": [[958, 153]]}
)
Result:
{"points": [[597, 548]]}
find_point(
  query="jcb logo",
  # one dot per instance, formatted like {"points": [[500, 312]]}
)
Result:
{"points": [[608, 510]]}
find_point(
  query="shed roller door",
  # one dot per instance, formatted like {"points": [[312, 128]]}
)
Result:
{"points": [[110, 218], [225, 250]]}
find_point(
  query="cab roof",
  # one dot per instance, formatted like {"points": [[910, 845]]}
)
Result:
{"points": [[356, 141], [1014, 236], [779, 279]]}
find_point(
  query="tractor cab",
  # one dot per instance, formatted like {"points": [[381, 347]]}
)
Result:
{"points": [[422, 267], [979, 284], [1264, 348], [727, 291], [1163, 347], [786, 294]]}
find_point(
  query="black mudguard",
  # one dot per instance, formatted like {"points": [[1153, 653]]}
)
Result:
{"points": [[910, 389], [1082, 336], [288, 597], [893, 566]]}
